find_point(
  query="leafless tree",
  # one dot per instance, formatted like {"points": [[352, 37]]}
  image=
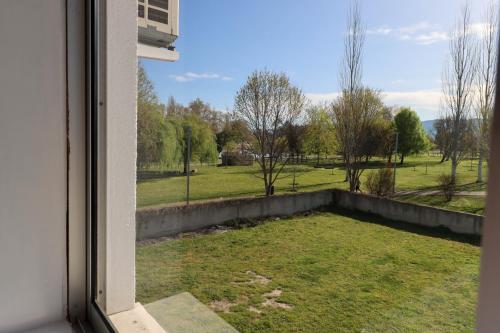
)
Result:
{"points": [[458, 83], [353, 118], [348, 109], [266, 104], [486, 75]]}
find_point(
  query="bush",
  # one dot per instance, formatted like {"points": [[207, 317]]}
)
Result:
{"points": [[447, 186], [236, 159], [380, 182]]}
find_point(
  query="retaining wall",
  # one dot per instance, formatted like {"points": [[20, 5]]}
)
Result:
{"points": [[172, 220], [458, 222], [168, 221]]}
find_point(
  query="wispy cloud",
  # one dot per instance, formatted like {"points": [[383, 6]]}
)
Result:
{"points": [[432, 37], [424, 33], [318, 98], [192, 76]]}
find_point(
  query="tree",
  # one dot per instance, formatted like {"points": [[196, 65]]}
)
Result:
{"points": [[203, 145], [442, 136], [156, 141], [319, 133], [458, 84], [295, 138], [411, 134], [487, 68], [205, 112], [173, 108], [351, 118], [146, 94], [266, 103], [379, 139]]}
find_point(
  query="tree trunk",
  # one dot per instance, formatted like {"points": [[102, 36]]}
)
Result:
{"points": [[454, 165], [402, 159], [443, 158], [480, 166], [317, 160]]}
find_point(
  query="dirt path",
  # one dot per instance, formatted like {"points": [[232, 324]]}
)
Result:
{"points": [[437, 192]]}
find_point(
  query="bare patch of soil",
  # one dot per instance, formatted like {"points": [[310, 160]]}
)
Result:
{"points": [[222, 306], [275, 304]]}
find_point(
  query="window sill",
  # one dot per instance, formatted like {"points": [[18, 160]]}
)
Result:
{"points": [[135, 320]]}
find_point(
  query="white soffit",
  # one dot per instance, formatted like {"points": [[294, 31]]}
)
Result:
{"points": [[156, 53]]}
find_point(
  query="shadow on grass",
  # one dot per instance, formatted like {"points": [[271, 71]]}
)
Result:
{"points": [[438, 232]]}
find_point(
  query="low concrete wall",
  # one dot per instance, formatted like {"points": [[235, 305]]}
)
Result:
{"points": [[172, 220], [461, 223]]}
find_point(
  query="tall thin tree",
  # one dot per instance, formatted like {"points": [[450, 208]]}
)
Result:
{"points": [[458, 84], [487, 66], [350, 81]]}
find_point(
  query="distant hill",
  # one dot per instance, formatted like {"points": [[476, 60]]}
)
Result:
{"points": [[429, 126]]}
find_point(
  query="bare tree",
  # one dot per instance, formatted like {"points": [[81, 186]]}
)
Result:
{"points": [[266, 104], [353, 118], [487, 61], [458, 84], [346, 111]]}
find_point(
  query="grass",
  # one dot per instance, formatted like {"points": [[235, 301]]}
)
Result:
{"points": [[339, 272], [468, 204], [210, 182]]}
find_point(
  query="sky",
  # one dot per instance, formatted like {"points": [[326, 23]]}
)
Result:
{"points": [[222, 42]]}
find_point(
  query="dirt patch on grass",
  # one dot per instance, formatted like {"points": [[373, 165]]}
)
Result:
{"points": [[256, 278], [254, 309], [222, 306], [272, 302], [277, 305], [273, 294]]}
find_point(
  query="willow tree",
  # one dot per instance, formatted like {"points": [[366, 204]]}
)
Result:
{"points": [[266, 103], [191, 127]]}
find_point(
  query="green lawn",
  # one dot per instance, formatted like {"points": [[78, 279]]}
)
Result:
{"points": [[212, 182], [336, 272], [468, 204]]}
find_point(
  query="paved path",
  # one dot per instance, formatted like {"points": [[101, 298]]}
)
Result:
{"points": [[437, 192]]}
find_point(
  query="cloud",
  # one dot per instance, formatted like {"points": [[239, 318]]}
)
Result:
{"points": [[318, 98], [419, 99], [432, 37], [425, 102], [423, 33], [191, 76]]}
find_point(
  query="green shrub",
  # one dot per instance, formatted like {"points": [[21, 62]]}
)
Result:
{"points": [[447, 185], [380, 182]]}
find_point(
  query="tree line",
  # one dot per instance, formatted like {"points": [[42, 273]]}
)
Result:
{"points": [[273, 123]]}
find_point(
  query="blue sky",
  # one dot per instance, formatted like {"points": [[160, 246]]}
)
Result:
{"points": [[222, 41]]}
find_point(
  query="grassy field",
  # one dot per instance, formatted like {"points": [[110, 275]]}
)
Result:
{"points": [[326, 272], [468, 204], [210, 182]]}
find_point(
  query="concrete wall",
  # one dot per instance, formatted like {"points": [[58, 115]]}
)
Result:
{"points": [[33, 163], [168, 221], [462, 223]]}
